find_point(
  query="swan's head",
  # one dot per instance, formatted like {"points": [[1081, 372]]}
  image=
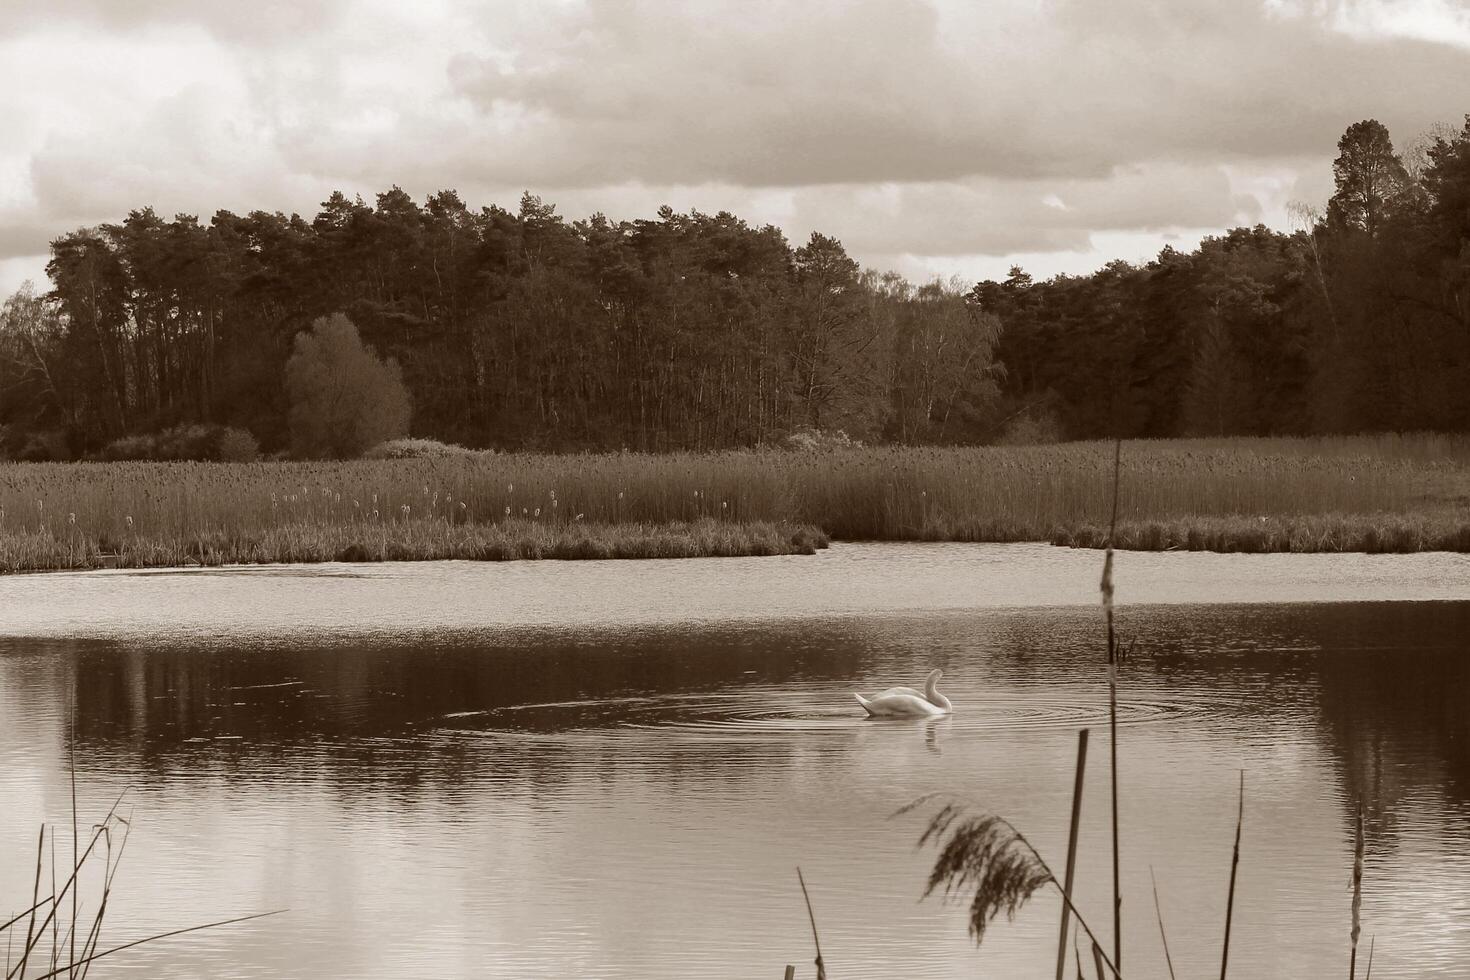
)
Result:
{"points": [[933, 678]]}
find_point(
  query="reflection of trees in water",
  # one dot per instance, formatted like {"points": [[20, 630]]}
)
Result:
{"points": [[1395, 706], [1385, 684], [365, 715]]}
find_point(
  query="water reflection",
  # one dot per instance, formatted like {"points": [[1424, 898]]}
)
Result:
{"points": [[631, 802]]}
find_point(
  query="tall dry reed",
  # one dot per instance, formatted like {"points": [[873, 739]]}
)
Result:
{"points": [[1368, 493]]}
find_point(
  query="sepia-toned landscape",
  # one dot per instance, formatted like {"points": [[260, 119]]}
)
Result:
{"points": [[861, 489]]}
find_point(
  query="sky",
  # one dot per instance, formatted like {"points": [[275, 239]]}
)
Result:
{"points": [[934, 138]]}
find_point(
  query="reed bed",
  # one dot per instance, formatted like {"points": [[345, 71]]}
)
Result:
{"points": [[1033, 493], [415, 540], [1335, 494], [1371, 533]]}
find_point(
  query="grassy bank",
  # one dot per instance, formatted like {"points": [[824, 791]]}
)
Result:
{"points": [[1361, 493]]}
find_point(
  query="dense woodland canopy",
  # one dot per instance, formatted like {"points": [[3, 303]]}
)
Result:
{"points": [[699, 331]]}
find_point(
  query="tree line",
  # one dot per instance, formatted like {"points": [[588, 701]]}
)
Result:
{"points": [[525, 330], [1358, 320]]}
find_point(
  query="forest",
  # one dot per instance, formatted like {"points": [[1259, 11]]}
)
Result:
{"points": [[526, 330]]}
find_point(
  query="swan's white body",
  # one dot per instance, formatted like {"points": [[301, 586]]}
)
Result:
{"points": [[905, 702]]}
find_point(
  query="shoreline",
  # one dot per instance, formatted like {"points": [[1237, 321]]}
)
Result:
{"points": [[418, 540], [516, 540]]}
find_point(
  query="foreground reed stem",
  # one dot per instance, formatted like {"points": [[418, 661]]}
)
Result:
{"points": [[1234, 864], [1357, 894], [1107, 596], [1072, 850], [821, 967], [986, 853], [1159, 911]]}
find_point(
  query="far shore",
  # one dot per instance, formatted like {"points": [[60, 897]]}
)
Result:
{"points": [[1349, 494]]}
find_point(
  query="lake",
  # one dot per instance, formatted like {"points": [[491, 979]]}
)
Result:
{"points": [[602, 769]]}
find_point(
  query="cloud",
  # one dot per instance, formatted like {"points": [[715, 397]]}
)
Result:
{"points": [[1138, 248], [260, 21], [15, 272], [989, 217], [773, 94], [973, 217], [922, 133], [200, 154], [20, 241]]}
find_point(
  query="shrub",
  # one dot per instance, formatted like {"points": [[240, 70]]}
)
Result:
{"points": [[187, 442], [808, 439], [238, 446], [343, 397], [130, 447], [416, 449], [44, 447], [1031, 429]]}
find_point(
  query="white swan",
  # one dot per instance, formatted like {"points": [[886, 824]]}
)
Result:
{"points": [[905, 702]]}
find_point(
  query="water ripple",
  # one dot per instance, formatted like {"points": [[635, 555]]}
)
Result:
{"points": [[776, 714]]}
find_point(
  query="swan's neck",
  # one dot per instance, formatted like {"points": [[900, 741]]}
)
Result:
{"points": [[931, 691]]}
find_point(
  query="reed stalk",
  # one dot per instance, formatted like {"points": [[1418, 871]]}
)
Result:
{"points": [[62, 961], [1107, 598], [821, 967], [71, 749], [1234, 864], [154, 938], [5, 926], [1072, 849], [36, 903], [1357, 894], [65, 958], [1158, 911], [986, 853], [101, 832], [55, 919]]}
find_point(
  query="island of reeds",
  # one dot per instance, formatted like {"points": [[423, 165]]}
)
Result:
{"points": [[1355, 494], [716, 386]]}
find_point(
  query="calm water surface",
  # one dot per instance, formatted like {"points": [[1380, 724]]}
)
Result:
{"points": [[600, 769]]}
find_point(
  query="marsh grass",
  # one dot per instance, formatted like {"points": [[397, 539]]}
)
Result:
{"points": [[42, 937], [43, 941], [1372, 533], [1362, 493], [416, 540]]}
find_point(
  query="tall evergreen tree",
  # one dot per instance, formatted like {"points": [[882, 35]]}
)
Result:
{"points": [[1369, 177]]}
